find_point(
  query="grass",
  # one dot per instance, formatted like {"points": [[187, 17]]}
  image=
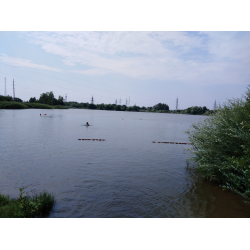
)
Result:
{"points": [[12, 105], [37, 206], [26, 105]]}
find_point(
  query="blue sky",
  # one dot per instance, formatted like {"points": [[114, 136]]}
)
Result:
{"points": [[147, 67]]}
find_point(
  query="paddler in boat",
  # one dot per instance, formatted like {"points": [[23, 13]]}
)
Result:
{"points": [[87, 124]]}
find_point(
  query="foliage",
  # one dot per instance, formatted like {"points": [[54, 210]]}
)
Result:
{"points": [[161, 106], [48, 98], [25, 206], [195, 110], [32, 100], [221, 146], [12, 105], [5, 98], [38, 106], [76, 104]]}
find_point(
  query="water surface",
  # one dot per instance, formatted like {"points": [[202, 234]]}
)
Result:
{"points": [[124, 176]]}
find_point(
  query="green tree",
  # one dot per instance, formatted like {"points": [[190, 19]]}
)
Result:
{"points": [[161, 106], [91, 106], [32, 100], [48, 98], [118, 108]]}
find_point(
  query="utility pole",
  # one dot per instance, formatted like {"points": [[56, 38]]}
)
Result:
{"points": [[126, 102], [116, 102], [177, 103], [65, 98], [5, 92]]}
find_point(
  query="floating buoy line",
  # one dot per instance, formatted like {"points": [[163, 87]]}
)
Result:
{"points": [[92, 139], [173, 142], [184, 143]]}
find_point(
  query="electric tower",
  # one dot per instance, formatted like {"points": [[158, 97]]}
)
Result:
{"points": [[177, 103], [5, 92], [215, 106], [13, 97], [92, 100]]}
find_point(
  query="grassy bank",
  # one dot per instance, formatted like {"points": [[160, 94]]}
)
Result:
{"points": [[26, 105], [26, 206], [221, 146]]}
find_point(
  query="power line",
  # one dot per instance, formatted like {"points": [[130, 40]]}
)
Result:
{"points": [[74, 82]]}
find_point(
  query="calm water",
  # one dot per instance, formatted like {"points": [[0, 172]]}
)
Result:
{"points": [[125, 176]]}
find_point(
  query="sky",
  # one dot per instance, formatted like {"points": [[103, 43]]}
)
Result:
{"points": [[143, 67]]}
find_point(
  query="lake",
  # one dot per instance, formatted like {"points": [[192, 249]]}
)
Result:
{"points": [[125, 176]]}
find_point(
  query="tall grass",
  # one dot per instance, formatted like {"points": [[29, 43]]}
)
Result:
{"points": [[221, 146], [39, 205], [26, 105], [12, 105], [38, 106]]}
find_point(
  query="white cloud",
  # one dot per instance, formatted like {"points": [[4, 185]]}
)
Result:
{"points": [[19, 62], [204, 57]]}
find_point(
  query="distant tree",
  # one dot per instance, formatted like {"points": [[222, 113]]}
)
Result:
{"points": [[49, 98], [109, 107], [5, 98], [195, 110], [18, 99], [123, 107], [100, 106], [91, 106], [118, 108], [161, 106], [135, 108], [32, 99]]}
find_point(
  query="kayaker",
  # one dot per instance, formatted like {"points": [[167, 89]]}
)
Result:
{"points": [[87, 124]]}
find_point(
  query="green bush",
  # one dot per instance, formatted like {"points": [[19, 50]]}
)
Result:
{"points": [[26, 206], [221, 146]]}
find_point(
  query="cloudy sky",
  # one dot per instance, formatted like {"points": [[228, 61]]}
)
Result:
{"points": [[145, 67]]}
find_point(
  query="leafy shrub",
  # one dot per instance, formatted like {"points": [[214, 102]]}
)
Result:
{"points": [[221, 146], [25, 206]]}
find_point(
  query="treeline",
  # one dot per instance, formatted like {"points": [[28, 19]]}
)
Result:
{"points": [[9, 99], [158, 108], [195, 110], [102, 106], [47, 98], [221, 146], [46, 101]]}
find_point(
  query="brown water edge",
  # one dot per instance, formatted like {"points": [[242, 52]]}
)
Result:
{"points": [[207, 199]]}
